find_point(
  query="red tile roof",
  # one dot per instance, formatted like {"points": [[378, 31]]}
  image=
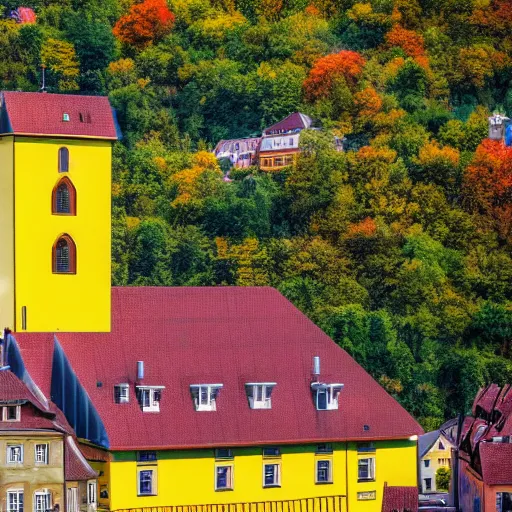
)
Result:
{"points": [[496, 460], [77, 468], [400, 499], [295, 121], [33, 113], [223, 335], [13, 390]]}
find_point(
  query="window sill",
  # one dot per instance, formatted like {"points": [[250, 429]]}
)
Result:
{"points": [[64, 273], [224, 489], [147, 494], [323, 483], [363, 480], [271, 486]]}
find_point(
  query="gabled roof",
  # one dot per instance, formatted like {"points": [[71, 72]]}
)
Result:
{"points": [[426, 441], [77, 467], [294, 121], [400, 499], [41, 114], [225, 335], [13, 390], [496, 460]]}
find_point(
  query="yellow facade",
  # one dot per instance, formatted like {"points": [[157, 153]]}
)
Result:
{"points": [[56, 302], [188, 477], [30, 477], [439, 456]]}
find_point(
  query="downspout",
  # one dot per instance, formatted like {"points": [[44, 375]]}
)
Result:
{"points": [[455, 477], [346, 472]]}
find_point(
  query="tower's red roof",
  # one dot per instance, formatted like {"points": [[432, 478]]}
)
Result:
{"points": [[42, 114], [225, 335]]}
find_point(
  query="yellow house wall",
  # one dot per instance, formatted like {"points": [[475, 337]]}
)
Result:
{"points": [[29, 476], [433, 455], [188, 477], [62, 302], [103, 492], [395, 463], [6, 228]]}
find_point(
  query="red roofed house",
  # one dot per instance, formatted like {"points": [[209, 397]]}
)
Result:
{"points": [[196, 391], [41, 464], [55, 178], [484, 469]]}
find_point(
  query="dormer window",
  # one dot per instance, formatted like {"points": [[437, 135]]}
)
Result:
{"points": [[205, 396], [259, 394], [149, 397], [65, 117], [11, 413], [326, 395], [121, 393]]}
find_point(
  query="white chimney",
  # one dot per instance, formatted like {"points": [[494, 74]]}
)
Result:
{"points": [[316, 366], [140, 370]]}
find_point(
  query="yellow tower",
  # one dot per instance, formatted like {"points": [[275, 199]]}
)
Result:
{"points": [[55, 178]]}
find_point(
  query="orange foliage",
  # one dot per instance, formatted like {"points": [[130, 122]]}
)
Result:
{"points": [[496, 16], [367, 227], [410, 41], [370, 154], [367, 102], [345, 64], [488, 184], [431, 154], [144, 23]]}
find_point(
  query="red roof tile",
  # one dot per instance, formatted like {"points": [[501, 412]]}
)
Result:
{"points": [[77, 468], [223, 335], [295, 121], [34, 113], [496, 460], [13, 389], [400, 499]]}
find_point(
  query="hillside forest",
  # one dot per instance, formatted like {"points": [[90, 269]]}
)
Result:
{"points": [[400, 248]]}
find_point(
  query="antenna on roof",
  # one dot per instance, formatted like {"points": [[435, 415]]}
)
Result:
{"points": [[43, 87]]}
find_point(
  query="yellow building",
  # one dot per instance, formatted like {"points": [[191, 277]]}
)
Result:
{"points": [[435, 451], [55, 177], [217, 396], [41, 466]]}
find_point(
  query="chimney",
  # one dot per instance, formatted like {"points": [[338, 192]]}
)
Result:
{"points": [[316, 367], [140, 370]]}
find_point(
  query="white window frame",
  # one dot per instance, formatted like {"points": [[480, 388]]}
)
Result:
{"points": [[45, 495], [371, 469], [92, 492], [329, 476], [205, 396], [10, 447], [5, 408], [230, 484], [153, 404], [277, 474], [17, 493], [331, 392], [153, 491], [124, 393], [45, 449], [259, 394]]}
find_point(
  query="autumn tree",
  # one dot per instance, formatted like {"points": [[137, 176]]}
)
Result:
{"points": [[488, 185], [345, 64], [144, 23], [60, 59]]}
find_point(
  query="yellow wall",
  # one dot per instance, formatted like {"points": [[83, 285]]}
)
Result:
{"points": [[6, 228], [188, 477], [60, 302], [29, 476]]}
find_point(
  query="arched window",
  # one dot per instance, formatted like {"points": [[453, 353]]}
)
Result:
{"points": [[63, 159], [64, 256], [64, 198]]}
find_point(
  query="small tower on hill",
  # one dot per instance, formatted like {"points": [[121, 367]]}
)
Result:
{"points": [[55, 177]]}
